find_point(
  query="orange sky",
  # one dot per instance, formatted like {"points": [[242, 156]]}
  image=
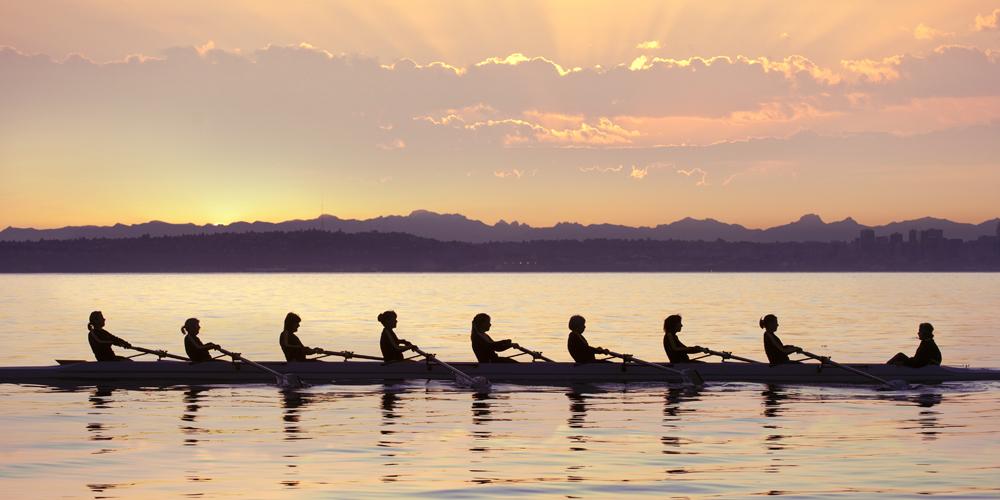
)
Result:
{"points": [[748, 112]]}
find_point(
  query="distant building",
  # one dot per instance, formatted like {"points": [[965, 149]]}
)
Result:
{"points": [[913, 237], [867, 236], [928, 235]]}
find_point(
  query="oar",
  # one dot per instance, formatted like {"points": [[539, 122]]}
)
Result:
{"points": [[689, 376], [727, 355], [159, 353], [535, 355], [892, 384], [348, 355], [480, 384], [281, 379]]}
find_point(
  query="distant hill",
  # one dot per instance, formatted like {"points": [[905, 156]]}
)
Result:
{"points": [[456, 227]]}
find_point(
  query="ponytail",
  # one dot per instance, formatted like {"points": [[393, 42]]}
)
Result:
{"points": [[767, 319], [95, 316], [385, 317]]}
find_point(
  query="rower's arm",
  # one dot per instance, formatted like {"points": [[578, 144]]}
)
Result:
{"points": [[787, 349], [299, 349], [110, 339], [676, 346], [502, 345]]}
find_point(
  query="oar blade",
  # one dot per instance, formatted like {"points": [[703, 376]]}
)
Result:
{"points": [[691, 376], [289, 381], [895, 385], [478, 383]]}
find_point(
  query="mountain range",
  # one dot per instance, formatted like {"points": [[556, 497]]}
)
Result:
{"points": [[456, 227]]}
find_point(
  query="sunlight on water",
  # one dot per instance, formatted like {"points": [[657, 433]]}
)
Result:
{"points": [[431, 439]]}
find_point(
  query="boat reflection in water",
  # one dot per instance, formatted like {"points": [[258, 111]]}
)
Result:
{"points": [[389, 438], [100, 399], [927, 422], [193, 398], [775, 397], [292, 402], [672, 412]]}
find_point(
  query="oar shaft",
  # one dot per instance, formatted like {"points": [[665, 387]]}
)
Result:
{"points": [[236, 355], [725, 355], [629, 357], [162, 354], [851, 369], [534, 354]]}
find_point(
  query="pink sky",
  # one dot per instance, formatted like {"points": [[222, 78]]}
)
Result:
{"points": [[752, 113]]}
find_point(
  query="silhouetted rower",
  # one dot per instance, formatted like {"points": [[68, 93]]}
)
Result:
{"points": [[777, 352], [392, 347], [676, 351], [290, 344], [101, 340], [193, 346], [927, 352], [485, 347], [579, 348]]}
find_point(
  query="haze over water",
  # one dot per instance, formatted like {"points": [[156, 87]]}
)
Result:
{"points": [[432, 439]]}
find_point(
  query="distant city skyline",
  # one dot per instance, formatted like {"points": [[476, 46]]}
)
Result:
{"points": [[540, 112]]}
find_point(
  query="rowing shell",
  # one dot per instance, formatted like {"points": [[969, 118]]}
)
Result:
{"points": [[166, 373]]}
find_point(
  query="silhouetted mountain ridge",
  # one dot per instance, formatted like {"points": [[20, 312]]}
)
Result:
{"points": [[457, 227]]}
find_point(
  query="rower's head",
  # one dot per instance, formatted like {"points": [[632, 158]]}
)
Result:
{"points": [[388, 319], [96, 320], [769, 322], [672, 324], [292, 322], [926, 331], [192, 326], [481, 323], [577, 324]]}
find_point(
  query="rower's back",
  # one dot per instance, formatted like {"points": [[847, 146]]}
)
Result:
{"points": [[483, 346], [293, 348], [101, 340], [773, 347], [576, 344]]}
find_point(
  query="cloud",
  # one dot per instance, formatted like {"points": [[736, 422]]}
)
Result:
{"points": [[638, 173], [602, 170], [394, 144], [700, 174], [649, 44], [987, 22], [784, 36], [924, 32], [508, 174]]}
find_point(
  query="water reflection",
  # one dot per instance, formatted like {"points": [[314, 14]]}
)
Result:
{"points": [[193, 397], [388, 438], [927, 422], [292, 402], [671, 415], [482, 436], [774, 397], [100, 399]]}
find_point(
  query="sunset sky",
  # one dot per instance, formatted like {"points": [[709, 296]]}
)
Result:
{"points": [[634, 113]]}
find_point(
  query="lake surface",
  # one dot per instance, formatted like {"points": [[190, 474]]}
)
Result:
{"points": [[436, 440]]}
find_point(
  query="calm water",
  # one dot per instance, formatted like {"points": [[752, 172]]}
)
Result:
{"points": [[434, 440]]}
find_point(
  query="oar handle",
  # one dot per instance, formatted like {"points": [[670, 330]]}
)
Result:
{"points": [[534, 354], [159, 353], [827, 360], [727, 355]]}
